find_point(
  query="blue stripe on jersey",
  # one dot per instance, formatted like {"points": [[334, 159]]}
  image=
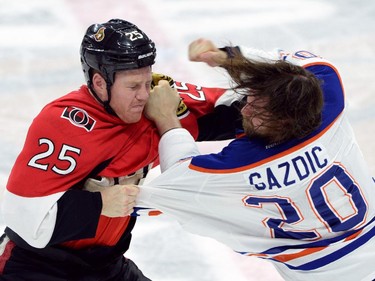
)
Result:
{"points": [[358, 242], [244, 152], [354, 244]]}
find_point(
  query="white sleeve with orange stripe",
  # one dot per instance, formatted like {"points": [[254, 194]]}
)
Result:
{"points": [[176, 145]]}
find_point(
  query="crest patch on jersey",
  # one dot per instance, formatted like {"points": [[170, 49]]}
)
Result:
{"points": [[78, 117]]}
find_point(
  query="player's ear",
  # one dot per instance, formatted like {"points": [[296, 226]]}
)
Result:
{"points": [[99, 86]]}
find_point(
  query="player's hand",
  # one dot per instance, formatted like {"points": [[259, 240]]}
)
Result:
{"points": [[203, 50], [162, 105], [156, 77], [118, 200]]}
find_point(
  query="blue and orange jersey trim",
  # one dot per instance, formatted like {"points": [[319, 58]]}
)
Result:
{"points": [[352, 239]]}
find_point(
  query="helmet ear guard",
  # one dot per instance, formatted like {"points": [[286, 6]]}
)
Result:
{"points": [[114, 46]]}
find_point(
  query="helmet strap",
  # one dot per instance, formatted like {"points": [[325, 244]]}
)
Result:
{"points": [[107, 107], [105, 104]]}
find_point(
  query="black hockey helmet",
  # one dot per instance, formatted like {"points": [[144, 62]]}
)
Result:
{"points": [[113, 46]]}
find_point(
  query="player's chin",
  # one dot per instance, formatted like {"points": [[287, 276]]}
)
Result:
{"points": [[132, 118]]}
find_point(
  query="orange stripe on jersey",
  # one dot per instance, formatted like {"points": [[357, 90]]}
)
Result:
{"points": [[155, 213], [289, 257], [354, 235], [266, 160]]}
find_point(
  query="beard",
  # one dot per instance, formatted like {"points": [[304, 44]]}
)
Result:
{"points": [[252, 131]]}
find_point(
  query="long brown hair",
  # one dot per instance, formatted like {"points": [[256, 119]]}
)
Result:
{"points": [[294, 95]]}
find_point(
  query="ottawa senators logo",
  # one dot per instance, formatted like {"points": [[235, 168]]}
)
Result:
{"points": [[99, 35], [78, 117]]}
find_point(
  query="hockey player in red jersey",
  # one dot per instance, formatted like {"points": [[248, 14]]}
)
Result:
{"points": [[293, 189], [61, 224]]}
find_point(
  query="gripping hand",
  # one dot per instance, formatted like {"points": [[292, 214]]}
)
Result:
{"points": [[156, 77]]}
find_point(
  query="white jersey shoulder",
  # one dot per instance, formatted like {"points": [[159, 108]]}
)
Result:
{"points": [[300, 57]]}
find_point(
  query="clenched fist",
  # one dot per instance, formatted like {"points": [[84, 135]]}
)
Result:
{"points": [[118, 200], [162, 105], [203, 50]]}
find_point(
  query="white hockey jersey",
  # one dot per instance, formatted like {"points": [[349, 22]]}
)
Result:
{"points": [[306, 205]]}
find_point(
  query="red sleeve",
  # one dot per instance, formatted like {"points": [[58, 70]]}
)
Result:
{"points": [[196, 102], [199, 100]]}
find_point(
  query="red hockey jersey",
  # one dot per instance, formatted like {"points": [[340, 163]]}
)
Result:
{"points": [[72, 140]]}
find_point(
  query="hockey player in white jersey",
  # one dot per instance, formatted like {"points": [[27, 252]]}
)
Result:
{"points": [[293, 189]]}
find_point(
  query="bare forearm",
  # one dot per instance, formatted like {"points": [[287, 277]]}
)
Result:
{"points": [[166, 124]]}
